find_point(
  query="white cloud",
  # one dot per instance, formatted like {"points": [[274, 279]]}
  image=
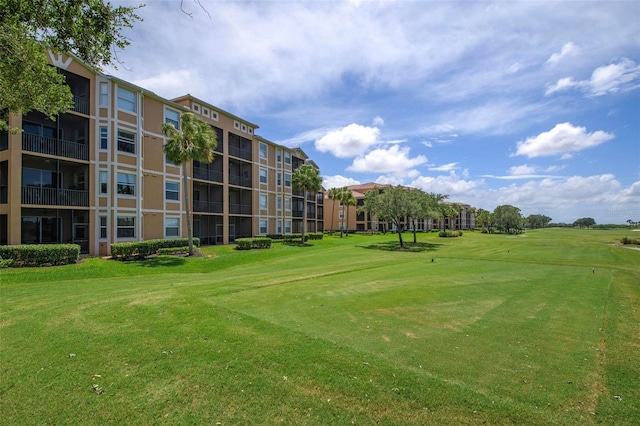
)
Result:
{"points": [[377, 121], [307, 136], [612, 78], [523, 169], [569, 49], [564, 138], [338, 181], [456, 187], [350, 141], [172, 84], [444, 167], [393, 160]]}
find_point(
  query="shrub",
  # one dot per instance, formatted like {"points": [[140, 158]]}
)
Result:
{"points": [[139, 250], [173, 250], [314, 235], [294, 238], [253, 243], [629, 240], [39, 254], [450, 234]]}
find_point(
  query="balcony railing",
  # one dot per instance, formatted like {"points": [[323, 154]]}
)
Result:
{"points": [[54, 197], [239, 180], [239, 209], [239, 152], [297, 213], [207, 207], [80, 104], [206, 174], [311, 215], [52, 146]]}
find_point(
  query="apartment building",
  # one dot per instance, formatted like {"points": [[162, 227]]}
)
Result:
{"points": [[340, 217], [98, 174]]}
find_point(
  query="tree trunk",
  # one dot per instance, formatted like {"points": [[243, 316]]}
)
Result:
{"points": [[347, 233], [304, 214], [333, 211], [187, 207], [414, 232]]}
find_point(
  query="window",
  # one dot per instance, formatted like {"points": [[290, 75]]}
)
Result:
{"points": [[104, 181], [278, 155], [126, 184], [263, 175], [172, 191], [126, 141], [172, 227], [279, 178], [278, 226], [126, 99], [103, 227], [279, 202], [172, 117], [287, 226], [263, 150], [104, 137], [287, 179], [287, 203], [39, 178], [263, 201], [104, 93], [263, 226], [126, 226], [287, 157]]}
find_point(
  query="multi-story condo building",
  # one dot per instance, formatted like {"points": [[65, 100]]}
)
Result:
{"points": [[98, 174], [340, 217]]}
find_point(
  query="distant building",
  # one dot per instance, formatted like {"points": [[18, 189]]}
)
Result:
{"points": [[98, 174], [336, 215]]}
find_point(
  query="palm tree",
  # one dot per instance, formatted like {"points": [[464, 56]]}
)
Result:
{"points": [[307, 179], [348, 200], [333, 194], [194, 141]]}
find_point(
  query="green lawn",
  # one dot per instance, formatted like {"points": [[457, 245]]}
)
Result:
{"points": [[542, 328]]}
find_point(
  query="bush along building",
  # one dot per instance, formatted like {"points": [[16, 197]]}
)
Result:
{"points": [[98, 174]]}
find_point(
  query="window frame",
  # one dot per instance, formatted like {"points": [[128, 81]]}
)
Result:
{"points": [[287, 180], [104, 138], [167, 190], [103, 182], [126, 104], [122, 139], [262, 175], [263, 150], [126, 183], [176, 227], [103, 94], [263, 229], [263, 202], [103, 228], [126, 227]]}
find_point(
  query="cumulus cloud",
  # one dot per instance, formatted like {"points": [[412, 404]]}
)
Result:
{"points": [[569, 49], [612, 78], [349, 141], [444, 167], [378, 121], [172, 83], [338, 181], [523, 169], [452, 184], [564, 138], [393, 160]]}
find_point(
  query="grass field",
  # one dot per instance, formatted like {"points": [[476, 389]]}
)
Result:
{"points": [[542, 328]]}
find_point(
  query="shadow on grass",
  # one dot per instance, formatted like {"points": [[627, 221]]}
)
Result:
{"points": [[162, 261], [408, 246]]}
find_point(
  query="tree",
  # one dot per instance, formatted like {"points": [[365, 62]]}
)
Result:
{"points": [[333, 194], [483, 218], [307, 179], [585, 222], [393, 205], [508, 218], [89, 29], [195, 140], [421, 206], [348, 199], [367, 206]]}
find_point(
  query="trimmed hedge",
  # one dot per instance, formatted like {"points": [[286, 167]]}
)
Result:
{"points": [[253, 243], [39, 254], [294, 238], [173, 250], [450, 234], [139, 250]]}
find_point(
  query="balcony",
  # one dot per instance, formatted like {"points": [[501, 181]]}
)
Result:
{"points": [[239, 180], [52, 146], [235, 151], [4, 194], [207, 174], [207, 207], [240, 209], [80, 104], [297, 213], [54, 197]]}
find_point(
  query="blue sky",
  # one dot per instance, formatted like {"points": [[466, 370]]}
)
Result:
{"points": [[534, 104]]}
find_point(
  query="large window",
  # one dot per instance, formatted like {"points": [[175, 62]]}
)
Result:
{"points": [[172, 227], [287, 157], [104, 137], [278, 155], [126, 141], [104, 181], [263, 150], [172, 190], [263, 201], [279, 178], [287, 179], [172, 117], [287, 203], [263, 226], [279, 202], [263, 175], [287, 226], [279, 226], [126, 99], [126, 184], [126, 226], [37, 177]]}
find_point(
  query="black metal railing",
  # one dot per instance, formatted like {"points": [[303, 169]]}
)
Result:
{"points": [[52, 146], [207, 174], [207, 207], [80, 104], [239, 152], [239, 180], [297, 213], [239, 209], [54, 197]]}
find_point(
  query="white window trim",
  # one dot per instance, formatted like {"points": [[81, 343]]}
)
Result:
{"points": [[166, 219], [171, 200]]}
